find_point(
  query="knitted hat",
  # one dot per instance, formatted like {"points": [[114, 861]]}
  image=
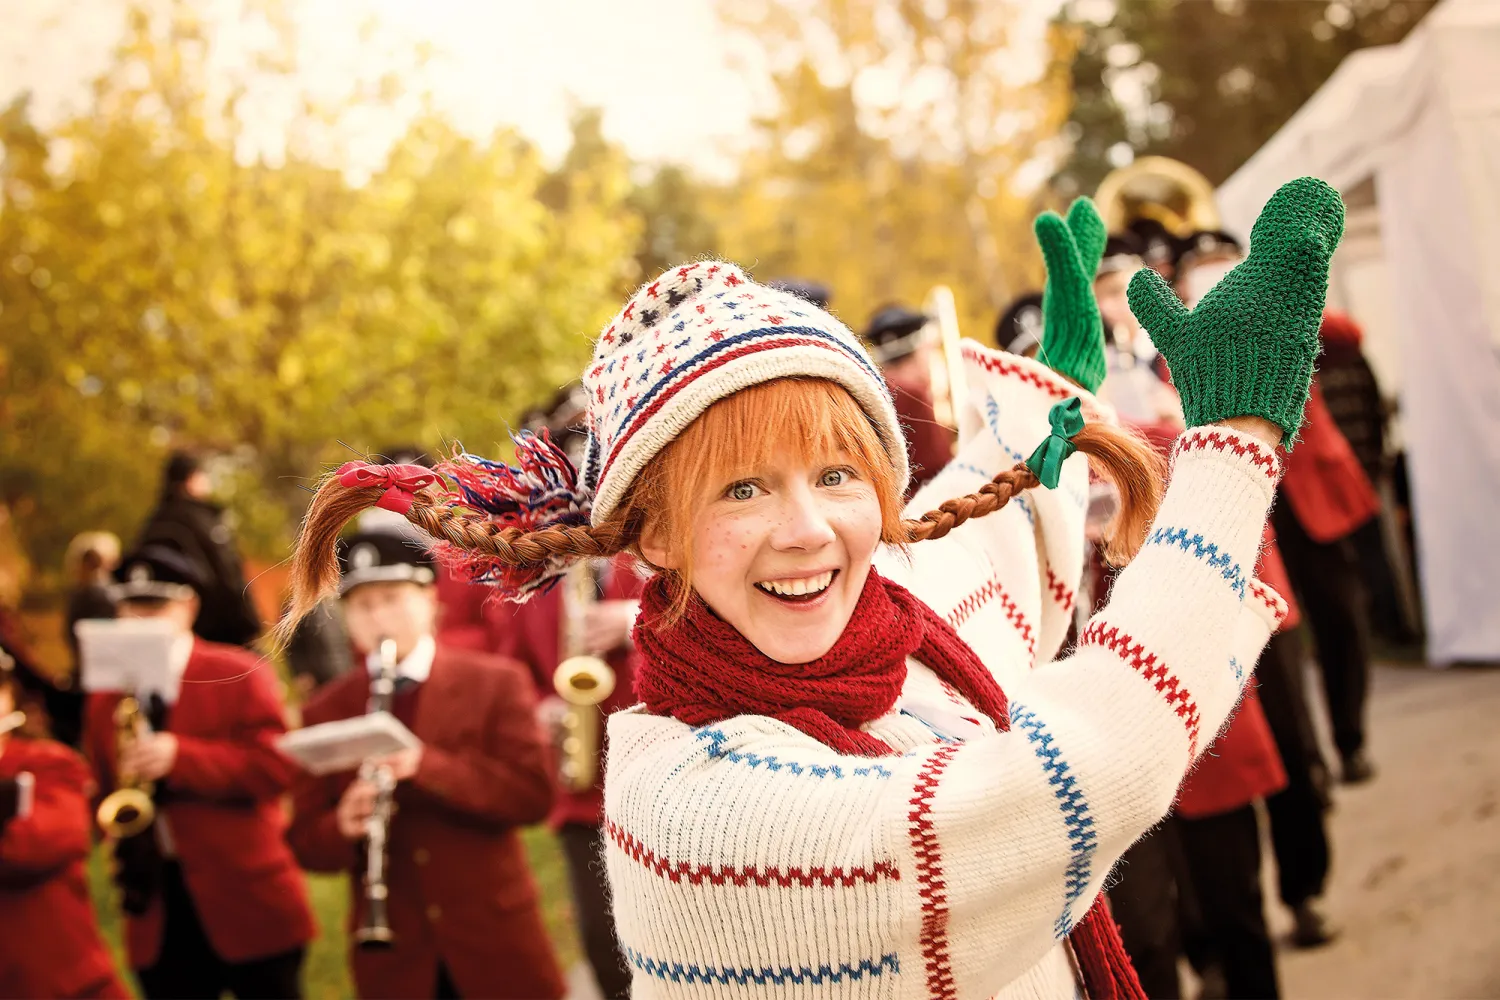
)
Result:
{"points": [[693, 336]]}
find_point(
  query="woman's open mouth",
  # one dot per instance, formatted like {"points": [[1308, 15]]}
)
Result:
{"points": [[798, 590]]}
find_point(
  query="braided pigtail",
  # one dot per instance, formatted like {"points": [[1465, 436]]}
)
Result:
{"points": [[1137, 471], [517, 528]]}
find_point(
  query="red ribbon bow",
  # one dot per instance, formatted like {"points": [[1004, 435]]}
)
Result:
{"points": [[401, 482]]}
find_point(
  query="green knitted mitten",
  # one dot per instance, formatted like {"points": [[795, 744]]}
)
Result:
{"points": [[1247, 350], [1072, 332]]}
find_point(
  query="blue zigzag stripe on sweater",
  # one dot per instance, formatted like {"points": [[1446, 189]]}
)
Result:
{"points": [[992, 417], [1082, 839], [1194, 545], [716, 738], [803, 975]]}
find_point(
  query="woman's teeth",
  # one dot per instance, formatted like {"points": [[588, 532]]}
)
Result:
{"points": [[799, 587]]}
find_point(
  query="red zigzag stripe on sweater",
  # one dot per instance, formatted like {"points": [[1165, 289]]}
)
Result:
{"points": [[1000, 366], [983, 596], [1060, 592], [681, 871], [930, 885], [1270, 599], [1199, 440], [1149, 666]]}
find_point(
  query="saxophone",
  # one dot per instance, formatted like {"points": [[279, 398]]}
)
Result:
{"points": [[128, 809], [583, 681]]}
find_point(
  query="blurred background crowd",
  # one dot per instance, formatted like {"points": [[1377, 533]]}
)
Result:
{"points": [[243, 241]]}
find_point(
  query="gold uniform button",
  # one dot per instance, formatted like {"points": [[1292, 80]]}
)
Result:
{"points": [[434, 912], [421, 856]]}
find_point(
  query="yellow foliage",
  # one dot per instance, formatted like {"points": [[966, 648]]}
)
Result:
{"points": [[890, 163], [157, 291]]}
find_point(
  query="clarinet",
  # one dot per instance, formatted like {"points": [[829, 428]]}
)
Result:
{"points": [[375, 932]]}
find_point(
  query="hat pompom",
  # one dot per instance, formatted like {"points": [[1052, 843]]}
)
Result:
{"points": [[542, 490]]}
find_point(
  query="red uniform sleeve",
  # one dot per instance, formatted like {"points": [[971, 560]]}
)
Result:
{"points": [[313, 834], [508, 780], [314, 831], [57, 831], [510, 638], [244, 763]]}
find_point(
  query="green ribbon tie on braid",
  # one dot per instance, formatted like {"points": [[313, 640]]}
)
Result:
{"points": [[1047, 461]]}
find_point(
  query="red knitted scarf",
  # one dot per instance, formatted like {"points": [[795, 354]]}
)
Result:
{"points": [[700, 670]]}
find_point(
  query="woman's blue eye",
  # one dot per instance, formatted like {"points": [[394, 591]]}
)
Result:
{"points": [[834, 477], [742, 491]]}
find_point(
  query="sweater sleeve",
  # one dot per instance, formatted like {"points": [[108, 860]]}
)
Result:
{"points": [[964, 861], [1007, 582]]}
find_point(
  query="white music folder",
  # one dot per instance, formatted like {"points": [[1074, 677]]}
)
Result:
{"points": [[344, 744], [128, 656]]}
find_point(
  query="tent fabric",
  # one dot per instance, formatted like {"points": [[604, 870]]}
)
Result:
{"points": [[1422, 119]]}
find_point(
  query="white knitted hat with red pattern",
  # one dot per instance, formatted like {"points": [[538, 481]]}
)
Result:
{"points": [[696, 334]]}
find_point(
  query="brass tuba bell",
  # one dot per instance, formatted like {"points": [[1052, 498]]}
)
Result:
{"points": [[1159, 188]]}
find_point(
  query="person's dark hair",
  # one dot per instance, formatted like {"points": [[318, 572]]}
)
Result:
{"points": [[180, 467]]}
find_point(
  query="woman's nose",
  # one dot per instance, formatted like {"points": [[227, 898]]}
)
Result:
{"points": [[804, 523]]}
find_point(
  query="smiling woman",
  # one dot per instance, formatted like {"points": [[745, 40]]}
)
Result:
{"points": [[825, 790]]}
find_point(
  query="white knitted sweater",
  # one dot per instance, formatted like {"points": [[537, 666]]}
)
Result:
{"points": [[746, 859]]}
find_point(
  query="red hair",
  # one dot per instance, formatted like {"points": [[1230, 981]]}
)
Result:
{"points": [[738, 432]]}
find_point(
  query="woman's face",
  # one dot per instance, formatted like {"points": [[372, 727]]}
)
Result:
{"points": [[782, 552]]}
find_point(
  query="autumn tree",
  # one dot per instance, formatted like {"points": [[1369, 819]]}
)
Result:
{"points": [[160, 287], [898, 151], [1207, 83]]}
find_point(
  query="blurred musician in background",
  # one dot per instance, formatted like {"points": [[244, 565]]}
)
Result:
{"points": [[461, 903], [188, 520], [538, 634], [213, 897], [1019, 329], [902, 344], [49, 938]]}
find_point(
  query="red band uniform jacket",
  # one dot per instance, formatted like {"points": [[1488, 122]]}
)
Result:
{"points": [[533, 633], [49, 939], [1324, 483], [224, 808], [460, 891]]}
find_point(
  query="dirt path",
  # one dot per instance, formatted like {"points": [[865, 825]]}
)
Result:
{"points": [[1416, 879]]}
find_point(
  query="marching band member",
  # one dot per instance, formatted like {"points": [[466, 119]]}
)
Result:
{"points": [[49, 937], [1019, 329], [1326, 499], [537, 633], [214, 898], [461, 902], [188, 520], [826, 789], [899, 342]]}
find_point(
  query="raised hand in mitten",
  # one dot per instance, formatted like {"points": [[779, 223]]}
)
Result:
{"points": [[1072, 332], [1247, 349]]}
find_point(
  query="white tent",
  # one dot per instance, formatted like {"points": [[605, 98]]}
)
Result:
{"points": [[1410, 134]]}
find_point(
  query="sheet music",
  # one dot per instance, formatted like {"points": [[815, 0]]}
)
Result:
{"points": [[344, 744], [129, 656]]}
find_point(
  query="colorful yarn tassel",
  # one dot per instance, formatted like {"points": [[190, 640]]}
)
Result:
{"points": [[541, 490]]}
